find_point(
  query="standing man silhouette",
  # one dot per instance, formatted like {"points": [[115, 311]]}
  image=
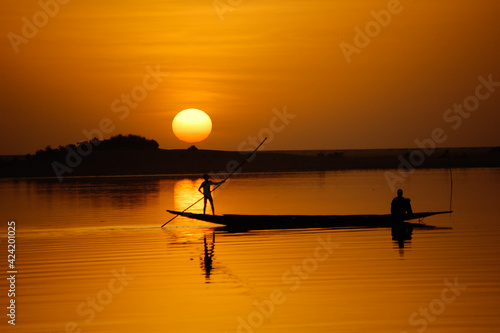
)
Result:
{"points": [[207, 192]]}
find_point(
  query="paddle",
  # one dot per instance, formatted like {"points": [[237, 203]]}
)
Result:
{"points": [[219, 184]]}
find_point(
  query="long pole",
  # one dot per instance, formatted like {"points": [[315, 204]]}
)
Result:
{"points": [[232, 173], [451, 181]]}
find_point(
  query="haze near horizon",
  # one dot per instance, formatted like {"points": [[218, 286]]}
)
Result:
{"points": [[313, 74]]}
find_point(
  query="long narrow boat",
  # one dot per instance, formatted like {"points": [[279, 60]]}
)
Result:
{"points": [[259, 222]]}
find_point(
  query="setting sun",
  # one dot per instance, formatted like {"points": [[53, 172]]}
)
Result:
{"points": [[192, 125]]}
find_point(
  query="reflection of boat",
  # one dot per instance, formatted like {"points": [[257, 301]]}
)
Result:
{"points": [[402, 232], [254, 222]]}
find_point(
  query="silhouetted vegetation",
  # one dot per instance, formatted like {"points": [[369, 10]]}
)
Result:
{"points": [[136, 155], [494, 150], [126, 142], [102, 154], [116, 143], [48, 153], [336, 155]]}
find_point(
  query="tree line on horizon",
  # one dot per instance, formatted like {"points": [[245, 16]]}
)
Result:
{"points": [[118, 142]]}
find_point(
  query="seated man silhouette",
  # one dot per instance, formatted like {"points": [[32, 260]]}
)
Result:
{"points": [[400, 209]]}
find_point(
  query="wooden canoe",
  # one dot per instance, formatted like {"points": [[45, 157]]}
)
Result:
{"points": [[259, 222]]}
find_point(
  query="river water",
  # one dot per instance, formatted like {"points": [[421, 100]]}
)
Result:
{"points": [[91, 256]]}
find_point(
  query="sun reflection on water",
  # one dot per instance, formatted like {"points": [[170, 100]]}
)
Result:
{"points": [[186, 193]]}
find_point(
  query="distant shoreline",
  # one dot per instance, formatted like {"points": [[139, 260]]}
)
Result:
{"points": [[314, 152], [198, 161]]}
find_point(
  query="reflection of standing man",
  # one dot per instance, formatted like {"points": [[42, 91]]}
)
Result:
{"points": [[207, 193]]}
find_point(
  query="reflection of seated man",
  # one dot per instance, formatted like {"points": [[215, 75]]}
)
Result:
{"points": [[400, 207]]}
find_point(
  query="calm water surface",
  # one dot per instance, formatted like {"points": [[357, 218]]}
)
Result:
{"points": [[91, 257]]}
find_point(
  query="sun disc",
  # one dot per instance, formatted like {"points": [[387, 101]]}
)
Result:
{"points": [[192, 125]]}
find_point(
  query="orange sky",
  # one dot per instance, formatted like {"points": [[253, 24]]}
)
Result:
{"points": [[238, 63]]}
